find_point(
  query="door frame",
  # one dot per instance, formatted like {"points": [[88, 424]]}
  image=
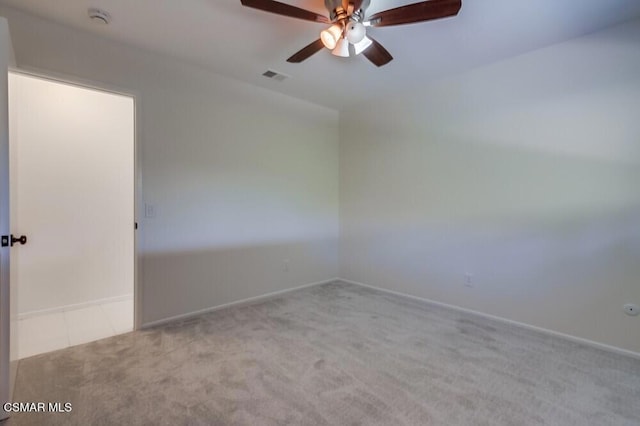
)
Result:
{"points": [[8, 366], [137, 159]]}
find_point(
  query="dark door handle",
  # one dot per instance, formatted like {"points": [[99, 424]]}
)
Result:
{"points": [[22, 240]]}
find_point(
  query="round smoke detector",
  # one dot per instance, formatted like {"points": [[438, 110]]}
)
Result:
{"points": [[99, 16]]}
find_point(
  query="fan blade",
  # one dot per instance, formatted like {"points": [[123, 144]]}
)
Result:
{"points": [[377, 54], [306, 52], [417, 12], [285, 9]]}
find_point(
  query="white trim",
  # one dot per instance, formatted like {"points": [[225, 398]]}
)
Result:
{"points": [[241, 302], [74, 306], [73, 80], [570, 337]]}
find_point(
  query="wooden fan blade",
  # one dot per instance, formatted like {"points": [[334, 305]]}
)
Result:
{"points": [[306, 52], [417, 12], [285, 9], [377, 54]]}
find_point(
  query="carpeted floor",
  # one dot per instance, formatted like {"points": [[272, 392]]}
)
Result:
{"points": [[335, 354]]}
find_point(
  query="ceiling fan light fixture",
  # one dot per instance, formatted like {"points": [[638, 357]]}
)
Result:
{"points": [[331, 36], [362, 45], [356, 32], [342, 48]]}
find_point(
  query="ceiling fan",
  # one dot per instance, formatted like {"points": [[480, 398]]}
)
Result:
{"points": [[347, 34]]}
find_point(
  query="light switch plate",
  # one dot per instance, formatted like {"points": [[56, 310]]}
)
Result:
{"points": [[149, 210]]}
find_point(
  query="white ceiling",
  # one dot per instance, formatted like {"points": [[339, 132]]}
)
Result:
{"points": [[242, 43]]}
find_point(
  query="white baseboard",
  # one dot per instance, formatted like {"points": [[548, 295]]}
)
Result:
{"points": [[73, 306], [241, 302], [570, 337]]}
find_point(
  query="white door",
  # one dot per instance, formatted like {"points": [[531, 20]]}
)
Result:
{"points": [[5, 305], [72, 157]]}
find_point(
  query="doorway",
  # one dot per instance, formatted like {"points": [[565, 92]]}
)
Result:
{"points": [[72, 195]]}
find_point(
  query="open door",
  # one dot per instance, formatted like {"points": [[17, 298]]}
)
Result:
{"points": [[72, 190], [7, 341]]}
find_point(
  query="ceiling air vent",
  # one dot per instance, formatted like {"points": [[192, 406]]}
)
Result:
{"points": [[275, 75]]}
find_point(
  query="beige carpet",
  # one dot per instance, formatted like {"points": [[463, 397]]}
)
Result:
{"points": [[335, 354]]}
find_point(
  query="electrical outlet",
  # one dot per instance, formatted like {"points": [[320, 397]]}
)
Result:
{"points": [[285, 265], [468, 280], [631, 309]]}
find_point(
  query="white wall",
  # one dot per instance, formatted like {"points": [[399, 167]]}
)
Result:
{"points": [[525, 173], [72, 173], [241, 178]]}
